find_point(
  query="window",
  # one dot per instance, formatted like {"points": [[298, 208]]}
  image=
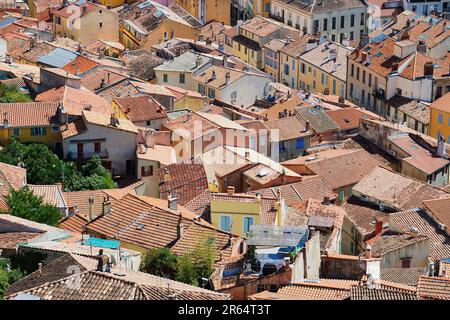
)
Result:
{"points": [[16, 131], [342, 37], [363, 95], [166, 35], [333, 37], [370, 80], [316, 26], [201, 88], [260, 288], [299, 143], [357, 73], [165, 77], [334, 86], [100, 24], [273, 288], [333, 23], [225, 223], [211, 93], [146, 171], [364, 76], [342, 21], [425, 9], [248, 221], [440, 118], [398, 91], [38, 131], [362, 19], [303, 68], [406, 263], [351, 90], [58, 20], [314, 85], [352, 20], [55, 129], [97, 147], [325, 24], [352, 35], [368, 99], [322, 80], [100, 11], [286, 69], [352, 70], [182, 78], [282, 147]]}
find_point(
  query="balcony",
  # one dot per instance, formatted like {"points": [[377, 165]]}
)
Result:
{"points": [[379, 94], [83, 156], [277, 17]]}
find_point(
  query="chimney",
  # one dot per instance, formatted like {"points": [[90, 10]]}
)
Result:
{"points": [[172, 202], [5, 120], [180, 228], [106, 206], [100, 260], [441, 146], [113, 120], [230, 190], [428, 69], [311, 44], [91, 205], [378, 227], [224, 60], [368, 252], [394, 67], [213, 75], [40, 268], [307, 126], [326, 200], [188, 116], [227, 77], [363, 56]]}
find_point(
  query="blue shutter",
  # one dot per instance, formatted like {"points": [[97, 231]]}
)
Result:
{"points": [[225, 223]]}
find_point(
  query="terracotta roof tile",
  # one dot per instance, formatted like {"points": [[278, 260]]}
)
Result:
{"points": [[141, 108], [439, 208], [362, 214], [11, 240], [439, 240], [137, 222], [81, 64], [442, 104], [11, 177], [395, 190], [74, 223], [29, 114], [287, 105], [310, 187], [408, 276], [433, 288], [365, 293], [185, 181]]}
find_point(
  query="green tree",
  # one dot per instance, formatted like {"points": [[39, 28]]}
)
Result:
{"points": [[160, 262], [186, 270], [44, 167], [203, 257], [92, 176], [23, 203], [10, 94], [4, 282]]}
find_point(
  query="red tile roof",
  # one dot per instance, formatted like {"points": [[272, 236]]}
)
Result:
{"points": [[442, 104], [30, 114], [141, 108], [184, 181], [433, 288], [81, 64]]}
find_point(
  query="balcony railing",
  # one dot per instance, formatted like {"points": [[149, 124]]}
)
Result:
{"points": [[277, 17], [88, 155]]}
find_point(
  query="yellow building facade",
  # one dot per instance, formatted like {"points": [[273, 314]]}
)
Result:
{"points": [[48, 135], [440, 118], [207, 10]]}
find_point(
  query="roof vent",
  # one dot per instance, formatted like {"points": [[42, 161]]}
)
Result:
{"points": [[262, 173]]}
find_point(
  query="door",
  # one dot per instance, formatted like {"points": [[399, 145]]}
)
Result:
{"points": [[80, 151]]}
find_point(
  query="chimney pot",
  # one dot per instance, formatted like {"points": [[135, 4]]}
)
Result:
{"points": [[378, 227], [172, 202]]}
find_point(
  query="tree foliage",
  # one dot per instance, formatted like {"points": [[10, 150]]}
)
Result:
{"points": [[24, 204], [189, 268], [186, 270], [7, 276], [10, 94], [160, 262], [143, 66], [44, 167]]}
